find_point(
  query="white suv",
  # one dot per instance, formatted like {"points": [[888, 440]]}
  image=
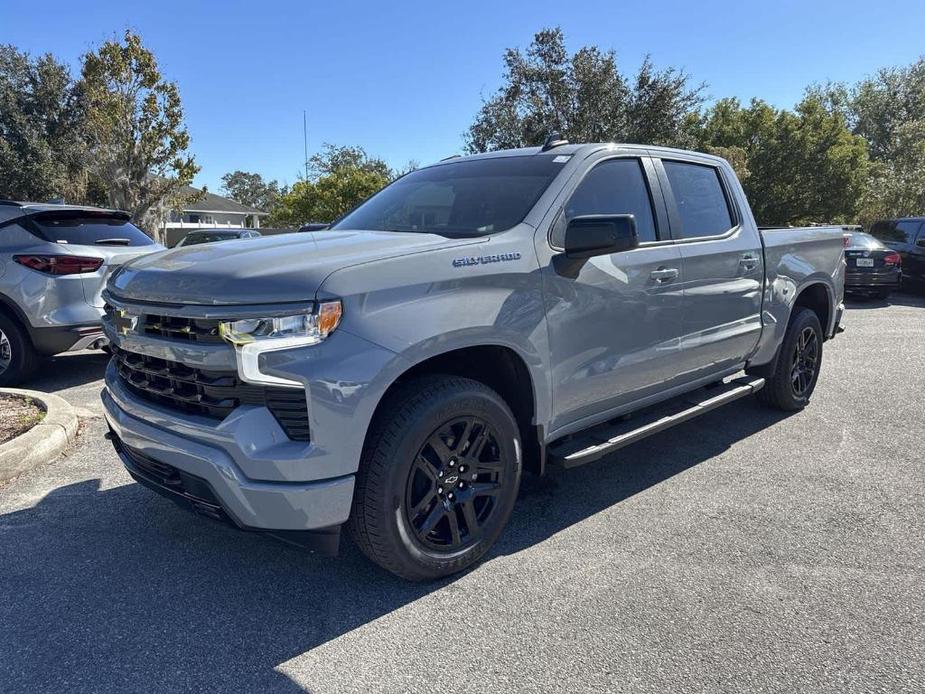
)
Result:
{"points": [[54, 262]]}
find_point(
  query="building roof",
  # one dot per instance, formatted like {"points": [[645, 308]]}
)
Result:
{"points": [[210, 202]]}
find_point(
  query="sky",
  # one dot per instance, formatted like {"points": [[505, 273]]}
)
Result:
{"points": [[405, 79]]}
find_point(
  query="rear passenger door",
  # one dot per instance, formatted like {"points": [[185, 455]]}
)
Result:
{"points": [[907, 236], [614, 320], [916, 261], [722, 264]]}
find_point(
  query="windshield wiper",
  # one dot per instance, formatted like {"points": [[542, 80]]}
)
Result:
{"points": [[113, 242]]}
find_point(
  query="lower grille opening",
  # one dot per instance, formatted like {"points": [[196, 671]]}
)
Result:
{"points": [[182, 487], [213, 394]]}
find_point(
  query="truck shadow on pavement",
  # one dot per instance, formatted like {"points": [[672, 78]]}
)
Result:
{"points": [[118, 590], [68, 371]]}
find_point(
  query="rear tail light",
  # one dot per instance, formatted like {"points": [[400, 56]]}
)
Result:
{"points": [[893, 259], [59, 264]]}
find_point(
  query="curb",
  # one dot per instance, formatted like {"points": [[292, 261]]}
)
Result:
{"points": [[44, 441]]}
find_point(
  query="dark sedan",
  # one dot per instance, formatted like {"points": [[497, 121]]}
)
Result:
{"points": [[872, 268], [194, 238]]}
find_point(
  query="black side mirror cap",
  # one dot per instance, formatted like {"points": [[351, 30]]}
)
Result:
{"points": [[588, 236]]}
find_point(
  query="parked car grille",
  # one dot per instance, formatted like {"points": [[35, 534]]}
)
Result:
{"points": [[213, 394]]}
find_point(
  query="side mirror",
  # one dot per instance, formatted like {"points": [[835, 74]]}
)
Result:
{"points": [[600, 234]]}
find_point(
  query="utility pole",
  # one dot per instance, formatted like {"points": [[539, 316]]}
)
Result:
{"points": [[305, 139]]}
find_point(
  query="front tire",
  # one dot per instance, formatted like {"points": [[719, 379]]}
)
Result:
{"points": [[17, 356], [438, 478], [792, 384]]}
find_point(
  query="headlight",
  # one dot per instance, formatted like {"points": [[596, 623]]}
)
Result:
{"points": [[254, 336]]}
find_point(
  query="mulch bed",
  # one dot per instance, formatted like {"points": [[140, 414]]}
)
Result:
{"points": [[17, 416]]}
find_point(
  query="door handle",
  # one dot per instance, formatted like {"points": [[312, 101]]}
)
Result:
{"points": [[749, 262], [664, 274]]}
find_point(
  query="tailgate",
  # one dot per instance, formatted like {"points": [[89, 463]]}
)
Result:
{"points": [[113, 258]]}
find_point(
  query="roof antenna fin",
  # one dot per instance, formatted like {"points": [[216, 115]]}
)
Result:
{"points": [[554, 139]]}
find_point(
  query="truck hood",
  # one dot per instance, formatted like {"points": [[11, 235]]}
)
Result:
{"points": [[272, 269]]}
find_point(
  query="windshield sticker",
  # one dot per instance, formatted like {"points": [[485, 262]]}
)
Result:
{"points": [[486, 259]]}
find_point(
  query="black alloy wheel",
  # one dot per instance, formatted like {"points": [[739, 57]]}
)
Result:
{"points": [[438, 478], [453, 487], [791, 383], [805, 361]]}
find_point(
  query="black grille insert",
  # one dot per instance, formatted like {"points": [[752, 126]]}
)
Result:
{"points": [[211, 394]]}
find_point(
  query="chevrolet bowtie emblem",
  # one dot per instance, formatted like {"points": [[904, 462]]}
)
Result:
{"points": [[125, 322]]}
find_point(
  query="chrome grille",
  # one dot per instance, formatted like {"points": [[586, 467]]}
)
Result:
{"points": [[184, 329]]}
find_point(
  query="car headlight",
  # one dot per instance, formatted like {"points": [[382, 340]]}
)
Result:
{"points": [[255, 336]]}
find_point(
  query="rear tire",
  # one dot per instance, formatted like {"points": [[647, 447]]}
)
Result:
{"points": [[438, 478], [18, 358], [794, 379]]}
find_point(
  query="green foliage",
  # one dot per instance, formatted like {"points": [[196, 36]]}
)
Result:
{"points": [[133, 121], [897, 184], [342, 178], [583, 96], [888, 111], [250, 189], [42, 149], [796, 166]]}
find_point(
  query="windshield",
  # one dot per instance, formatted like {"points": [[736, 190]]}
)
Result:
{"points": [[461, 198]]}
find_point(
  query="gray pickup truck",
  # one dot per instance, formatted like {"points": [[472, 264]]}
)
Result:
{"points": [[477, 318]]}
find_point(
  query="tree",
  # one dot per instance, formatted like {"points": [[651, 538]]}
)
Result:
{"points": [[584, 97], [342, 178], [883, 105], [888, 111], [250, 189], [134, 126], [42, 149], [897, 185], [796, 166]]}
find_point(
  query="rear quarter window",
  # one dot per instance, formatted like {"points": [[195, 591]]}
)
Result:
{"points": [[89, 230], [701, 201]]}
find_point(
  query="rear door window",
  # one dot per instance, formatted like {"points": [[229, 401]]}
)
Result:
{"points": [[895, 230], [615, 186], [83, 229], [700, 199]]}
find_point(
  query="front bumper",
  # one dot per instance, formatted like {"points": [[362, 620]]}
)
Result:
{"points": [[247, 503]]}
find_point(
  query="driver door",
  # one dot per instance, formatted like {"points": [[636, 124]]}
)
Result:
{"points": [[614, 321]]}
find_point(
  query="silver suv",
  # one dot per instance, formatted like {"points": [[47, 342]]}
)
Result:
{"points": [[54, 262]]}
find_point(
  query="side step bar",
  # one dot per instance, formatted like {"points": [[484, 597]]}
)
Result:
{"points": [[593, 444]]}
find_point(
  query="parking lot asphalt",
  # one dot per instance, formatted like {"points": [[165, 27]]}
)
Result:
{"points": [[744, 551]]}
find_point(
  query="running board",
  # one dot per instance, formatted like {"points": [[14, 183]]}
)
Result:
{"points": [[593, 444]]}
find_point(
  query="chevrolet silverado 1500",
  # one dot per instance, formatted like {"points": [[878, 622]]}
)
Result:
{"points": [[478, 318]]}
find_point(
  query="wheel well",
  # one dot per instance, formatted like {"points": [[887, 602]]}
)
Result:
{"points": [[10, 310], [816, 298], [502, 370]]}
